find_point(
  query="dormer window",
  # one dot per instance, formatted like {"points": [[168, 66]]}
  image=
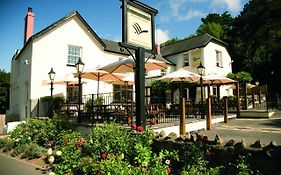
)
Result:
{"points": [[186, 59], [74, 53], [219, 59]]}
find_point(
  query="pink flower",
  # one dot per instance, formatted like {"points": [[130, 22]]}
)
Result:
{"points": [[134, 126], [78, 144], [140, 129], [103, 156]]}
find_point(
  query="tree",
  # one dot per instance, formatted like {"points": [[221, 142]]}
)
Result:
{"points": [[4, 91], [218, 25], [256, 45], [168, 42], [211, 28]]}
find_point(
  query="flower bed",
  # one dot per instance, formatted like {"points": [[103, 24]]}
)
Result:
{"points": [[109, 149]]}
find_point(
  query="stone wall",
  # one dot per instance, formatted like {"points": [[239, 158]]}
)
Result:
{"points": [[262, 158]]}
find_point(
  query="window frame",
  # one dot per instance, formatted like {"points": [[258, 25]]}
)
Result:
{"points": [[186, 62], [68, 54], [219, 62]]}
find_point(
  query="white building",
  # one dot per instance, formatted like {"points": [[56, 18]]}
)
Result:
{"points": [[210, 51], [59, 46]]}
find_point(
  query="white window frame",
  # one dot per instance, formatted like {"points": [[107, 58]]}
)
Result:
{"points": [[74, 57], [163, 72], [219, 62], [186, 60]]}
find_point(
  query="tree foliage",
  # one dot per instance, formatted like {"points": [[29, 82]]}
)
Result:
{"points": [[4, 90], [217, 25], [211, 28], [257, 40]]}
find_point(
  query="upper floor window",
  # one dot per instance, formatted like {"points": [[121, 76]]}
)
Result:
{"points": [[186, 59], [219, 58], [163, 72], [74, 53]]}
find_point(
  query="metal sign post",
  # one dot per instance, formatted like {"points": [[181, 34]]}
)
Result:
{"points": [[138, 34]]}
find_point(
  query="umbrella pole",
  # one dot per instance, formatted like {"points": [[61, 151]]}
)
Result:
{"points": [[182, 115], [98, 88]]}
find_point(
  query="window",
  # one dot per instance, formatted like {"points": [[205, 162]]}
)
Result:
{"points": [[163, 72], [73, 55], [218, 58], [72, 93], [122, 93], [186, 59]]}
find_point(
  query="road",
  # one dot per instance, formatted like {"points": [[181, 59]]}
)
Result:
{"points": [[12, 166], [250, 130]]}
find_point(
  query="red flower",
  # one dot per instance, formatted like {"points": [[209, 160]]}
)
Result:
{"points": [[169, 170], [153, 122], [103, 156], [78, 144], [140, 129], [134, 126]]}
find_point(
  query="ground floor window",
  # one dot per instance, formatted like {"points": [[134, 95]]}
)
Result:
{"points": [[72, 93], [122, 93]]}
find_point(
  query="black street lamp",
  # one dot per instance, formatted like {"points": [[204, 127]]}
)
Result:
{"points": [[201, 70], [79, 68], [52, 75]]}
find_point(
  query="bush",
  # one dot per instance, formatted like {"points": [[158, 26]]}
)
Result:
{"points": [[19, 150], [9, 145], [32, 151]]}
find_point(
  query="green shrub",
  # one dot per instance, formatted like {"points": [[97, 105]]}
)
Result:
{"points": [[109, 138], [32, 151], [19, 149], [9, 145]]}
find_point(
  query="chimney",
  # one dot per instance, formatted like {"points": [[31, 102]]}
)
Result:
{"points": [[158, 50], [29, 24]]}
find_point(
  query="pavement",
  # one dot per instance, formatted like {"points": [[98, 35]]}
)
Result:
{"points": [[250, 130], [12, 166]]}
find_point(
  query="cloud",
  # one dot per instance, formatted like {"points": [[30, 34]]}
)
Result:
{"points": [[232, 5], [161, 36], [180, 11]]}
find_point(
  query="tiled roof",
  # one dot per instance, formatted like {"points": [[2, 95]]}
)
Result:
{"points": [[188, 44]]}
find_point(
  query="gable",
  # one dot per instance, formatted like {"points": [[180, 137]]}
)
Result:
{"points": [[61, 22]]}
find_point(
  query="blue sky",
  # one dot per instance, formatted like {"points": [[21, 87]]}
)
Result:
{"points": [[176, 18]]}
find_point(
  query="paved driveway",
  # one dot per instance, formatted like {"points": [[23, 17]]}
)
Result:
{"points": [[11, 166], [265, 130]]}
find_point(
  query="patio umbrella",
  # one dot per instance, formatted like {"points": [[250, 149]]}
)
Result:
{"points": [[182, 74], [216, 79], [125, 80], [98, 75], [128, 64]]}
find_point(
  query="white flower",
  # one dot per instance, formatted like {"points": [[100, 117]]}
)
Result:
{"points": [[167, 162], [51, 159], [17, 140], [49, 152], [29, 138], [58, 153], [52, 173]]}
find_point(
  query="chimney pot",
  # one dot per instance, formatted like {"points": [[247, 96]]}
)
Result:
{"points": [[29, 9]]}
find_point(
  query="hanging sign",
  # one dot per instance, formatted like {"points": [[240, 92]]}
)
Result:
{"points": [[138, 24]]}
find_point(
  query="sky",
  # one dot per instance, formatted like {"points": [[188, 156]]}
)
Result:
{"points": [[175, 18]]}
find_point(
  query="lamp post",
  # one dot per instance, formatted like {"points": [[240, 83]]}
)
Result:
{"points": [[79, 68], [52, 75], [200, 70]]}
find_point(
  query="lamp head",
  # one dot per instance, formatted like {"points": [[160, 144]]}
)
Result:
{"points": [[79, 66], [52, 75], [200, 69]]}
